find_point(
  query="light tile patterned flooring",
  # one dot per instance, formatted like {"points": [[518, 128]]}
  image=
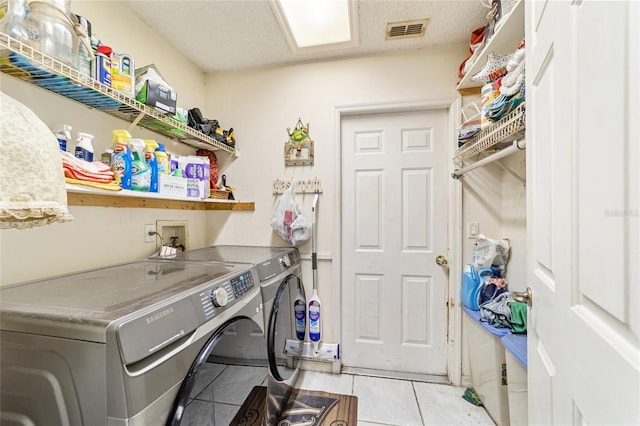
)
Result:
{"points": [[393, 402], [381, 401]]}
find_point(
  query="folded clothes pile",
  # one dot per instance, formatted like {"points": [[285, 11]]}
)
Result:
{"points": [[87, 173]]}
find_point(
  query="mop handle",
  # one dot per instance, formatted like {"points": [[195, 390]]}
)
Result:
{"points": [[314, 257]]}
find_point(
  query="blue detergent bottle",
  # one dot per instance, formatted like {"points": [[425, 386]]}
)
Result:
{"points": [[121, 159]]}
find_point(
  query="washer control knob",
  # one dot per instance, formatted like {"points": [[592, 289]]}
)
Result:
{"points": [[285, 261], [219, 297]]}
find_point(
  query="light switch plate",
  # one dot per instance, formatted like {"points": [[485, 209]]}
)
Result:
{"points": [[473, 229]]}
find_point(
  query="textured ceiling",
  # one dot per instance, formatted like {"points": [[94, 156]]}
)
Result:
{"points": [[222, 35]]}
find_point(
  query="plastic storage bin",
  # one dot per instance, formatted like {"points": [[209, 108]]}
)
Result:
{"points": [[487, 362], [516, 357]]}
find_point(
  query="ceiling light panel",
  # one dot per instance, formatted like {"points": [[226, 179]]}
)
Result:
{"points": [[317, 22], [317, 25]]}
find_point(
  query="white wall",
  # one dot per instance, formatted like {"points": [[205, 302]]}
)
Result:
{"points": [[118, 28], [261, 104], [100, 236]]}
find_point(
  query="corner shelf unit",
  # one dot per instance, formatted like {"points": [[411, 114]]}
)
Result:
{"points": [[504, 40], [30, 65]]}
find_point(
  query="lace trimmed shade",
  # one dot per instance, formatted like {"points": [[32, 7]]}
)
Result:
{"points": [[32, 186]]}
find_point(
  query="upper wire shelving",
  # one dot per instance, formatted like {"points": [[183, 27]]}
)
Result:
{"points": [[25, 63]]}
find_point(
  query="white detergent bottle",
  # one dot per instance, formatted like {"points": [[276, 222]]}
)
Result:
{"points": [[300, 312], [84, 147], [315, 329]]}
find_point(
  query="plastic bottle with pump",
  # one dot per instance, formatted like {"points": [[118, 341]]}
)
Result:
{"points": [[300, 312], [63, 134], [152, 161], [140, 171], [163, 160], [121, 159], [84, 147]]}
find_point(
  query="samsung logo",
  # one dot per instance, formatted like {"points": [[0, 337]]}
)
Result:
{"points": [[159, 315]]}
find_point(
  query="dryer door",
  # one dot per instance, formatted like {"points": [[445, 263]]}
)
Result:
{"points": [[282, 329], [281, 336], [222, 376]]}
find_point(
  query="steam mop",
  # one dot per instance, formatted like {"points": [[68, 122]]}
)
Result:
{"points": [[315, 329]]}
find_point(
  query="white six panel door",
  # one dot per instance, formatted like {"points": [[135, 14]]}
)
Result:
{"points": [[394, 224], [583, 127]]}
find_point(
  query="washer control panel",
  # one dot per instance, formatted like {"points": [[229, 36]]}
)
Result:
{"points": [[242, 284], [220, 296]]}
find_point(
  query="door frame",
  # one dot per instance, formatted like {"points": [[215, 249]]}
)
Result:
{"points": [[454, 205]]}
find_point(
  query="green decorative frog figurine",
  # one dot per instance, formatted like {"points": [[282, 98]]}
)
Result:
{"points": [[299, 133]]}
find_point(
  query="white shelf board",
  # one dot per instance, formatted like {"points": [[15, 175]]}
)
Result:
{"points": [[504, 40]]}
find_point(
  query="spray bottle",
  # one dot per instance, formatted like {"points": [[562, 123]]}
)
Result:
{"points": [[315, 324], [84, 147], [152, 161], [121, 159], [63, 134], [140, 171]]}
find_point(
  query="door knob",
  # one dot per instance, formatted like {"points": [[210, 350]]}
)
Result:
{"points": [[524, 297], [441, 260]]}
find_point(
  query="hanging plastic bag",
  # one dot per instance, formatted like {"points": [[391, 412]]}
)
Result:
{"points": [[300, 230], [287, 221], [488, 252]]}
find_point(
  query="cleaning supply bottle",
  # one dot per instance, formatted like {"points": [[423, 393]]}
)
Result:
{"points": [[140, 171], [315, 332], [84, 147], [106, 156], [152, 161], [121, 159], [300, 312], [163, 160], [63, 134]]}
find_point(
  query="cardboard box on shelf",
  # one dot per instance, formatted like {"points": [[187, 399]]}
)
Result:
{"points": [[154, 93], [194, 179], [172, 185]]}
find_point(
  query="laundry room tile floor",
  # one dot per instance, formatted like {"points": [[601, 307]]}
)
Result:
{"points": [[394, 402], [381, 401]]}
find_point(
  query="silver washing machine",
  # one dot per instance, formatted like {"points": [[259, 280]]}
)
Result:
{"points": [[279, 273], [130, 344]]}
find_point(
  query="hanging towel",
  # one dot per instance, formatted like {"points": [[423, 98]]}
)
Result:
{"points": [[518, 316], [32, 188]]}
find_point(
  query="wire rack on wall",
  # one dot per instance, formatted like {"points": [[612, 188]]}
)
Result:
{"points": [[25, 63], [495, 137]]}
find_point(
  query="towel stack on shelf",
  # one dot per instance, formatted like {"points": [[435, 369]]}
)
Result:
{"points": [[82, 172]]}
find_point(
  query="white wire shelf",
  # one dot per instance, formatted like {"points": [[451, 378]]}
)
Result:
{"points": [[25, 63], [495, 137]]}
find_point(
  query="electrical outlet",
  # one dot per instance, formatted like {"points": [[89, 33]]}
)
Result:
{"points": [[149, 238]]}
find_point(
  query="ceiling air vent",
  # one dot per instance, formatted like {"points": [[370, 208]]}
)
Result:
{"points": [[406, 29]]}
